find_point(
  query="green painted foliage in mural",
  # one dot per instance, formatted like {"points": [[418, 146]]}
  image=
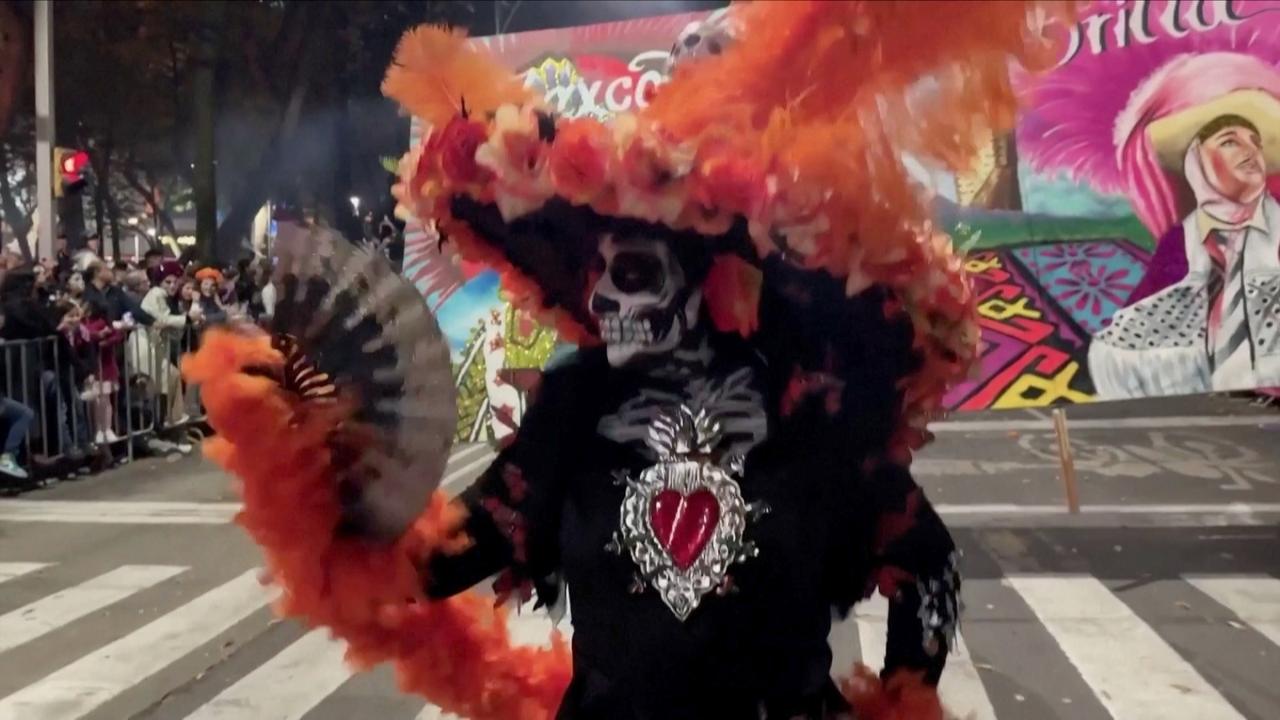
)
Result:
{"points": [[1016, 230], [526, 350], [469, 379]]}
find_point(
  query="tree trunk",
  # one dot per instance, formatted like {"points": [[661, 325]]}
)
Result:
{"points": [[14, 73], [101, 159], [19, 222], [205, 188], [348, 222], [113, 215], [306, 35]]}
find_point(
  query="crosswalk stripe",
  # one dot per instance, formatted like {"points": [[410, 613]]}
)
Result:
{"points": [[139, 512], [54, 611], [1133, 672], [11, 570], [463, 472], [86, 684], [960, 688], [431, 712], [464, 452], [1255, 600], [287, 686]]}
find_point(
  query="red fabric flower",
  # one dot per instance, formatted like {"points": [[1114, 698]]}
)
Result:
{"points": [[731, 184], [456, 147], [732, 290], [578, 159]]}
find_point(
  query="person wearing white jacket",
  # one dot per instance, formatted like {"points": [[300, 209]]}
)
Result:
{"points": [[168, 327]]}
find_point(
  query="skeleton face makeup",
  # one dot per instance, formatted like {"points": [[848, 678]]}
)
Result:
{"points": [[642, 301]]}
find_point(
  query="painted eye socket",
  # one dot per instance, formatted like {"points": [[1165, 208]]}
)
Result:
{"points": [[635, 272]]}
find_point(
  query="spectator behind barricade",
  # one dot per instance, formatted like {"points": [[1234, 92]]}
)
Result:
{"points": [[187, 258], [136, 285], [15, 422], [243, 285], [167, 329], [69, 314], [44, 283], [75, 287], [102, 287], [62, 257], [12, 260], [209, 296], [62, 379], [257, 295], [266, 292], [152, 259], [188, 295], [105, 336]]}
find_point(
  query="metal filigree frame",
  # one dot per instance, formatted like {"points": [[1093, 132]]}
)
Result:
{"points": [[683, 590], [682, 441]]}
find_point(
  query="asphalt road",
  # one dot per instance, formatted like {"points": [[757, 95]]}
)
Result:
{"points": [[130, 595]]}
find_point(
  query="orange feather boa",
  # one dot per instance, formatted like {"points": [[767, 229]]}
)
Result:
{"points": [[457, 653]]}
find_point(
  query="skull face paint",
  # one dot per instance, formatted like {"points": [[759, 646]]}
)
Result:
{"points": [[642, 301]]}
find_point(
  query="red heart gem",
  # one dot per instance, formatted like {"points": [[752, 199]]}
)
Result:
{"points": [[684, 523]]}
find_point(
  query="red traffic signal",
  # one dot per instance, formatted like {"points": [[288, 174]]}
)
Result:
{"points": [[71, 164]]}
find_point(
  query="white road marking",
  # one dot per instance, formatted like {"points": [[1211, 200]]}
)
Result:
{"points": [[463, 452], [11, 570], [1133, 672], [1240, 508], [1124, 423], [65, 606], [1010, 515], [431, 712], [86, 684], [287, 686], [1255, 600], [160, 513], [140, 512], [463, 473], [960, 689], [118, 512]]}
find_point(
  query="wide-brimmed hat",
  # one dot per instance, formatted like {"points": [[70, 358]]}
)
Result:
{"points": [[1173, 134], [789, 143]]}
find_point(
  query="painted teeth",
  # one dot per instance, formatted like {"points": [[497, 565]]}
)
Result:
{"points": [[616, 330]]}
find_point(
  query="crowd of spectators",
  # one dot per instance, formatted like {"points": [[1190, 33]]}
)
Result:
{"points": [[89, 350]]}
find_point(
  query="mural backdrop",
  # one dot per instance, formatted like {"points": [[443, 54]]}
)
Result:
{"points": [[1124, 241]]}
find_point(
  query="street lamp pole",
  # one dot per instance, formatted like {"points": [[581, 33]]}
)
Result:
{"points": [[48, 215]]}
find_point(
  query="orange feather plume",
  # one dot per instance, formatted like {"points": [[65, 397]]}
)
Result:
{"points": [[436, 70], [835, 94]]}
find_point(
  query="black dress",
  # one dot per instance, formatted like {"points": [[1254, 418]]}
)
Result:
{"points": [[838, 523]]}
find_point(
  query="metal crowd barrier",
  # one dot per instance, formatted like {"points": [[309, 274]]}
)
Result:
{"points": [[81, 419]]}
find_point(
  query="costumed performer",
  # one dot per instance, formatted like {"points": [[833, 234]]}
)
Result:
{"points": [[767, 323]]}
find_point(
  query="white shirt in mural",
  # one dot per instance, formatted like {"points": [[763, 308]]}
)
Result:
{"points": [[1161, 345]]}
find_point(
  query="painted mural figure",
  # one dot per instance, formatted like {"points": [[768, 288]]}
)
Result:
{"points": [[1206, 316]]}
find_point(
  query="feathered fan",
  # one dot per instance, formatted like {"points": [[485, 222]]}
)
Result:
{"points": [[351, 328]]}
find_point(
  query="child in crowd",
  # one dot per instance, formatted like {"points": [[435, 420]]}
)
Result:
{"points": [[75, 375], [104, 337]]}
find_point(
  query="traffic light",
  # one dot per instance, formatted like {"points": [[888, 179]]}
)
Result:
{"points": [[70, 165]]}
